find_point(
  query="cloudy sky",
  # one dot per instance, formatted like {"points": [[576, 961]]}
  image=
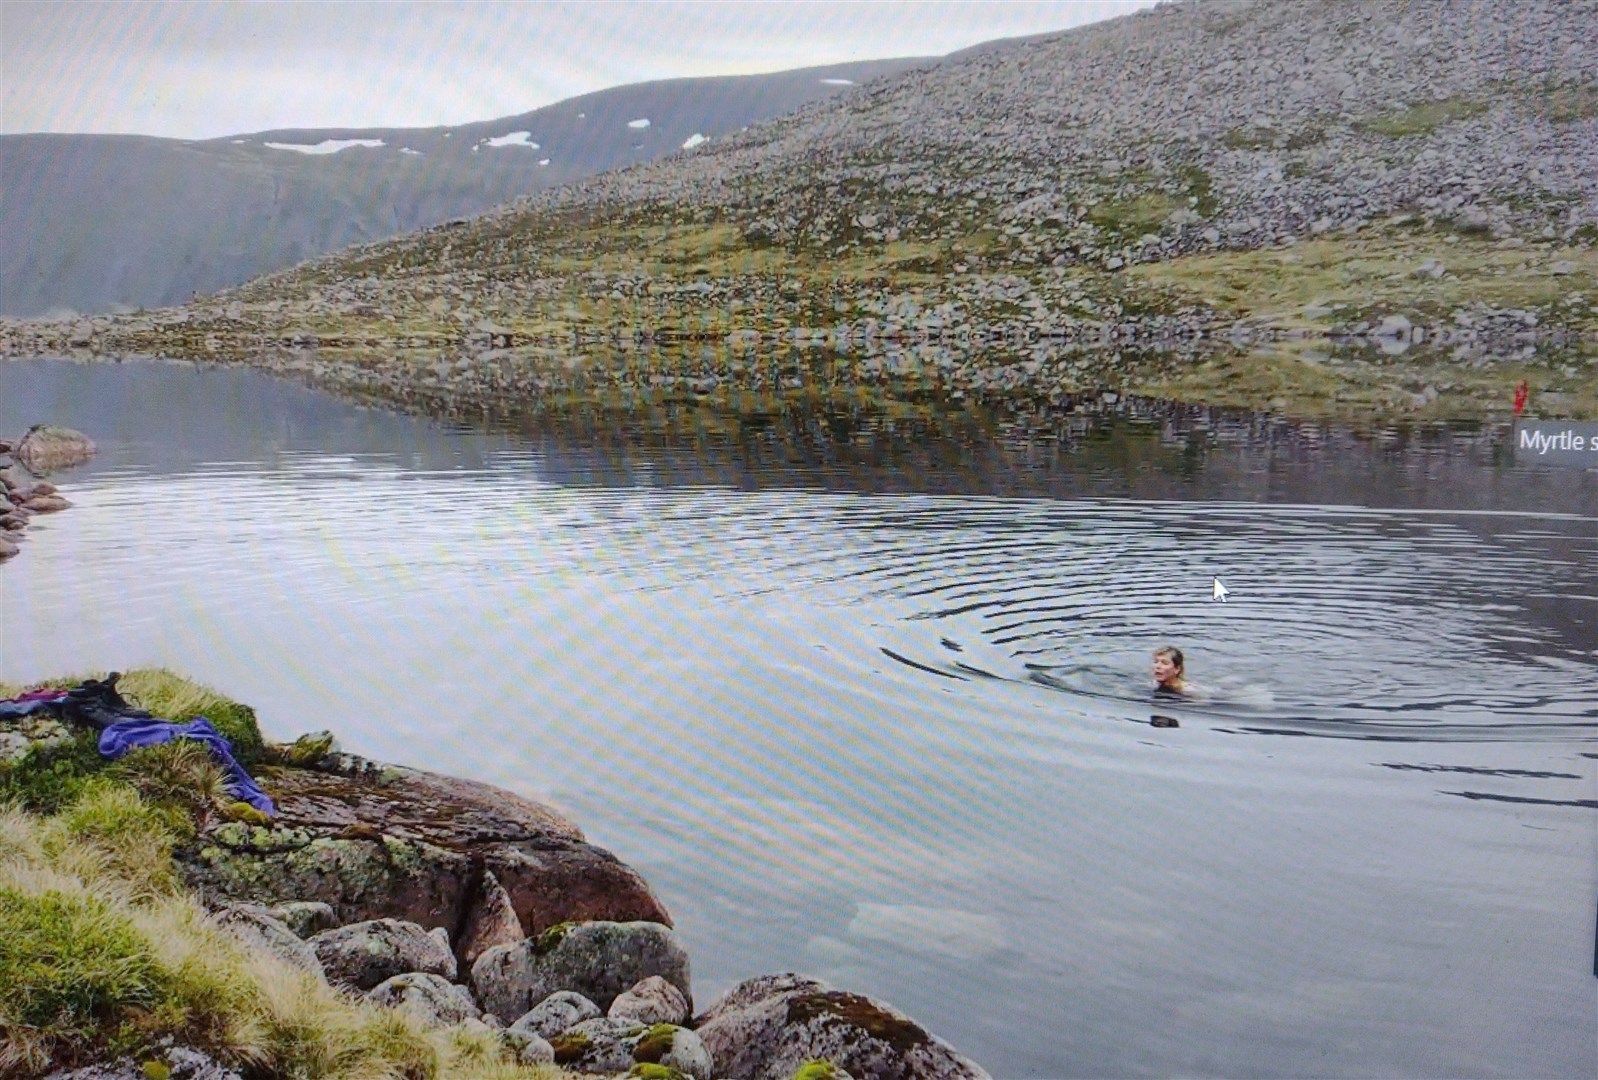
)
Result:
{"points": [[206, 68]]}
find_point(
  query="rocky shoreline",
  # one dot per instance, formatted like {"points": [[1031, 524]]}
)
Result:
{"points": [[22, 494], [476, 909]]}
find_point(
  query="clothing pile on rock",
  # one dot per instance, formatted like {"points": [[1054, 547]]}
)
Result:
{"points": [[95, 703]]}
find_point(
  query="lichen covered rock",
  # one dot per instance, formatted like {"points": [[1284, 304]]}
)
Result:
{"points": [[528, 1047], [769, 1027], [652, 1001], [599, 960], [606, 1045], [378, 841], [305, 917], [258, 928], [365, 954], [359, 876], [559, 1012], [176, 1063], [431, 998]]}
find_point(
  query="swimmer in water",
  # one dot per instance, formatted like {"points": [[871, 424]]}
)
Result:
{"points": [[1169, 674]]}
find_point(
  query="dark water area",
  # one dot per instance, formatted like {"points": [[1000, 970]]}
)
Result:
{"points": [[867, 697]]}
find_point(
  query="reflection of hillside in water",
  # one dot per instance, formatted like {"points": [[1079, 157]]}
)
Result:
{"points": [[1129, 448], [181, 416]]}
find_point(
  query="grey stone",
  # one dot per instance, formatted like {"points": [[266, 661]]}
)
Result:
{"points": [[558, 1012], [492, 922], [431, 998], [528, 1048], [765, 1028], [599, 960], [258, 928], [364, 954], [652, 1001], [305, 917], [1394, 326]]}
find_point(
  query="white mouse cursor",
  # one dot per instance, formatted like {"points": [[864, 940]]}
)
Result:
{"points": [[1220, 591]]}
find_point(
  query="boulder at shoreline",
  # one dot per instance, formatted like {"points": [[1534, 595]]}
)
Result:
{"points": [[374, 841], [46, 448]]}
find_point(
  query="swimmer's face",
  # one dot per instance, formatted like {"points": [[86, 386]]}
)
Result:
{"points": [[1165, 669]]}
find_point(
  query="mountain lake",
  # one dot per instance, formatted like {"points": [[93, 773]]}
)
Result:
{"points": [[868, 698]]}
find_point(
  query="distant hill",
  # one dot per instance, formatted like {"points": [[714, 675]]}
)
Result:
{"points": [[1039, 216], [93, 223]]}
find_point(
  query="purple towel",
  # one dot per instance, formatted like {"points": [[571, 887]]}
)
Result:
{"points": [[125, 735], [35, 701]]}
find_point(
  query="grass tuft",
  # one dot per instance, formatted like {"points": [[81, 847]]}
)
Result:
{"points": [[132, 839]]}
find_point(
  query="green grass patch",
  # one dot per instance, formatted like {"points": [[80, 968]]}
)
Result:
{"points": [[73, 969], [1367, 272], [1201, 186], [1421, 119], [1138, 214]]}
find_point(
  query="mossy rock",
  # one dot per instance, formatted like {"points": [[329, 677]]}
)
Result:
{"points": [[570, 1046], [650, 1071], [656, 1042], [779, 1025], [819, 1069]]}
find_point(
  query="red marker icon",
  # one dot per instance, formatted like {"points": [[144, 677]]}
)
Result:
{"points": [[1521, 393]]}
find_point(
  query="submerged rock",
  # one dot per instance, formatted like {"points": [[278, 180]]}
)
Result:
{"points": [[767, 1027], [599, 960], [45, 504]]}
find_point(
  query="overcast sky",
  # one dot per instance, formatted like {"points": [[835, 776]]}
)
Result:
{"points": [[221, 67]]}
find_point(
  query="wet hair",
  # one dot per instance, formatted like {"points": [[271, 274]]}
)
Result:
{"points": [[1174, 653]]}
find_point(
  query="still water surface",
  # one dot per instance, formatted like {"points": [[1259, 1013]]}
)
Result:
{"points": [[873, 704]]}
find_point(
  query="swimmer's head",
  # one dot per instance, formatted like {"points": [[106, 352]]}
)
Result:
{"points": [[1168, 667]]}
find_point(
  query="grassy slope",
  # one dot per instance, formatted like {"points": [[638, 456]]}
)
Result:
{"points": [[1312, 288], [103, 954]]}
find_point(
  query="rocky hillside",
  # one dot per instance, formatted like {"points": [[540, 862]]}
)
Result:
{"points": [[1397, 172], [94, 222]]}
